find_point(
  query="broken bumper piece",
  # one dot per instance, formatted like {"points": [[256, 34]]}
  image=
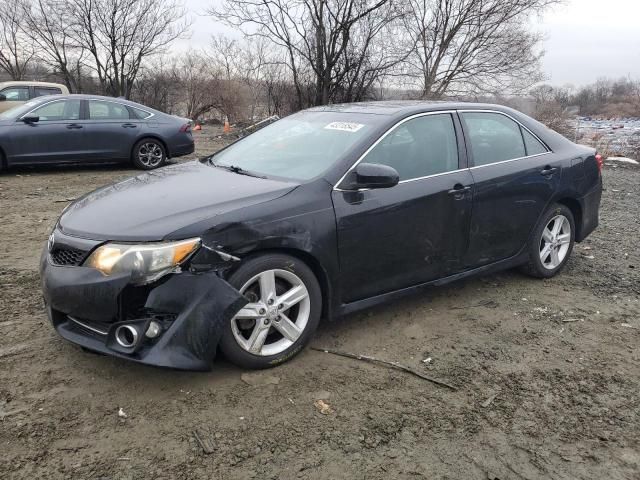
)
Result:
{"points": [[175, 323]]}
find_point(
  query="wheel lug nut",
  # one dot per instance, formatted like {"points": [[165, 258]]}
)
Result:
{"points": [[262, 311], [270, 302], [280, 307], [266, 321]]}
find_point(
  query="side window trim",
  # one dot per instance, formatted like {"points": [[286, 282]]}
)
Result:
{"points": [[470, 160], [461, 154]]}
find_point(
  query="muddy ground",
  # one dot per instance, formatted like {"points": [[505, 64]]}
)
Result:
{"points": [[548, 374]]}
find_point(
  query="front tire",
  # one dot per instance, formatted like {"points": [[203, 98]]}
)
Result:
{"points": [[551, 243], [285, 304], [149, 154]]}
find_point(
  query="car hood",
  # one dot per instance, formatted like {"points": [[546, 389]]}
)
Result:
{"points": [[151, 206]]}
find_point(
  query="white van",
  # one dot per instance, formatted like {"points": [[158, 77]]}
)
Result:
{"points": [[13, 94]]}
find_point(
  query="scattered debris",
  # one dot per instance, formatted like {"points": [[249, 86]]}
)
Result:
{"points": [[320, 395], [489, 401], [628, 325], [395, 365], [323, 407], [623, 160], [64, 200], [121, 413], [570, 320], [427, 360], [259, 379], [207, 445]]}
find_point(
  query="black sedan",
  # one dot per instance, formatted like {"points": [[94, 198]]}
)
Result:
{"points": [[325, 212], [88, 128]]}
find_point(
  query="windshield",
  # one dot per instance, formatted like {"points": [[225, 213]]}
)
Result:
{"points": [[17, 112], [301, 146]]}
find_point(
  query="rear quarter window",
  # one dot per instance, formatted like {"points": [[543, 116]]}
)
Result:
{"points": [[533, 145], [140, 114]]}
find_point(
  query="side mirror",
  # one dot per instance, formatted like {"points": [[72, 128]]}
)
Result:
{"points": [[30, 119], [371, 175], [3, 97]]}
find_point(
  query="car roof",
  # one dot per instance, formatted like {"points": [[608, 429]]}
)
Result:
{"points": [[406, 107], [26, 83]]}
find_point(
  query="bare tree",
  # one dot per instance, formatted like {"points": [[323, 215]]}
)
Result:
{"points": [[16, 50], [47, 23], [119, 35], [314, 37], [463, 47]]}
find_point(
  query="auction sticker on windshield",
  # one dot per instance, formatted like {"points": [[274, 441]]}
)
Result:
{"points": [[344, 126]]}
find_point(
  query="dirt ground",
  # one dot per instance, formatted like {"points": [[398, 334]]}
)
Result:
{"points": [[548, 374]]}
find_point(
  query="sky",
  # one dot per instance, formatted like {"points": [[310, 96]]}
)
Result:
{"points": [[583, 40]]}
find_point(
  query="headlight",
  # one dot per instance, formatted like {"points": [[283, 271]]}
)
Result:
{"points": [[146, 261]]}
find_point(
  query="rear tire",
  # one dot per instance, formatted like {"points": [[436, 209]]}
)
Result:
{"points": [[551, 243], [285, 303], [149, 154]]}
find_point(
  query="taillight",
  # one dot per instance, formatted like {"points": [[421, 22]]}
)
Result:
{"points": [[186, 127], [600, 162]]}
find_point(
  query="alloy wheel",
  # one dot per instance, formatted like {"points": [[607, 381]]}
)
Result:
{"points": [[276, 315], [150, 154], [555, 242]]}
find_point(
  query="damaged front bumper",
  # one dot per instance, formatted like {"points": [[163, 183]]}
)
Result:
{"points": [[188, 312]]}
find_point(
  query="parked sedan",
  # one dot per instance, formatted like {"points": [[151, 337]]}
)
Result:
{"points": [[322, 213], [86, 128]]}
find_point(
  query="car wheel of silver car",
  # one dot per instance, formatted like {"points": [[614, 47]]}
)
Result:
{"points": [[148, 154], [551, 243], [283, 311]]}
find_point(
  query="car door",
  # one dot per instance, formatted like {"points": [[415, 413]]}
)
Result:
{"points": [[58, 135], [111, 132], [416, 231], [515, 176]]}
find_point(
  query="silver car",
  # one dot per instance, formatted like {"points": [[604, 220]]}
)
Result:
{"points": [[89, 128]]}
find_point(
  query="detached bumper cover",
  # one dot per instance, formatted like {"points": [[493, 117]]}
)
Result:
{"points": [[199, 306]]}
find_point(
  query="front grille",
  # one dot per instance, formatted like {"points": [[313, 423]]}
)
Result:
{"points": [[67, 256]]}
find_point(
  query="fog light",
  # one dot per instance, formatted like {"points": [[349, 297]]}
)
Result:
{"points": [[153, 331]]}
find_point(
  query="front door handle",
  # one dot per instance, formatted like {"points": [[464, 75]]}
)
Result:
{"points": [[459, 191], [129, 125], [74, 126], [548, 171]]}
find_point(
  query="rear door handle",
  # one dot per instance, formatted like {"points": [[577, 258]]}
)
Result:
{"points": [[129, 125], [74, 126], [459, 190], [548, 171]]}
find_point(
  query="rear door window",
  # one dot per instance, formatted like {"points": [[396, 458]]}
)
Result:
{"points": [[419, 147], [107, 111], [16, 94], [44, 91], [493, 137]]}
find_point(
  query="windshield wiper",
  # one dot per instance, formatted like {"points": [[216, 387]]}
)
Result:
{"points": [[236, 169]]}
